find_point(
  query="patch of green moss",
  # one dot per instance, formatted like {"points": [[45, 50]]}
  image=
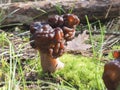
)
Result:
{"points": [[82, 73]]}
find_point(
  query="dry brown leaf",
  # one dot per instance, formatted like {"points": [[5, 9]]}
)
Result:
{"points": [[78, 44]]}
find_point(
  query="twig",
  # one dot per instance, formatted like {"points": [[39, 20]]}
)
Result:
{"points": [[108, 11], [110, 42], [24, 33], [97, 32]]}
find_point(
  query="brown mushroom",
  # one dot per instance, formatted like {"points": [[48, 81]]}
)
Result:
{"points": [[111, 75], [50, 38]]}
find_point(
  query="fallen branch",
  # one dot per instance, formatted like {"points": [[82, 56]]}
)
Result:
{"points": [[30, 11]]}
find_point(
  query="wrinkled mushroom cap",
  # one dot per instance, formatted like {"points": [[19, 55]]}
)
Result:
{"points": [[51, 37], [47, 39]]}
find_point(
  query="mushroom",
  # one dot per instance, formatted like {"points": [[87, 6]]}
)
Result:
{"points": [[50, 39], [111, 74]]}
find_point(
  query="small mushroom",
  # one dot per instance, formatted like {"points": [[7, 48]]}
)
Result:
{"points": [[50, 39], [111, 74]]}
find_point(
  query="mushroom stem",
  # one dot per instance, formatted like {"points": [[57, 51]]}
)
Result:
{"points": [[50, 64]]}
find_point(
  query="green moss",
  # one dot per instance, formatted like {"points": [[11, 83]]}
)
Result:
{"points": [[82, 73]]}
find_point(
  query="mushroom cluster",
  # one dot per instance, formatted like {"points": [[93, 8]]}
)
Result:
{"points": [[111, 74], [50, 39]]}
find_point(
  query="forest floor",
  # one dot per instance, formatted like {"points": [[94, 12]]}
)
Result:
{"points": [[20, 67]]}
